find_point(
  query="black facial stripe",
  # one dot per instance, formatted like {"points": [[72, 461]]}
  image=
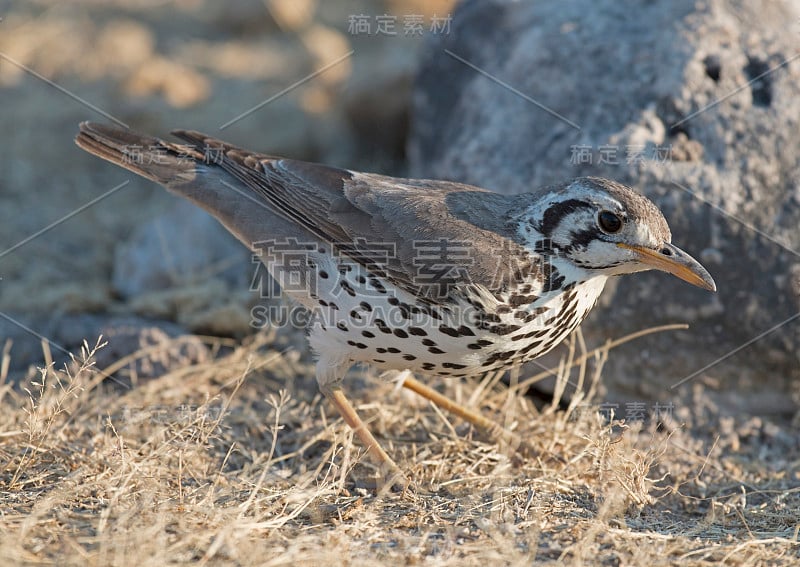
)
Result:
{"points": [[582, 238], [555, 214]]}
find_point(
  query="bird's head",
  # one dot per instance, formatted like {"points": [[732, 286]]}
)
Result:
{"points": [[604, 228]]}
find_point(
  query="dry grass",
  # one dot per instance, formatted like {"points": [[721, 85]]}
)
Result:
{"points": [[240, 462]]}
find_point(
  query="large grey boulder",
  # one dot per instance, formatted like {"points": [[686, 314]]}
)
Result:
{"points": [[697, 105]]}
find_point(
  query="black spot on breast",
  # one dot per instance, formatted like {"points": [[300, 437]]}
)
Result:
{"points": [[323, 303], [519, 300], [453, 365], [393, 301], [530, 347], [547, 345], [332, 305], [382, 326], [367, 334], [417, 331], [409, 357], [435, 350], [355, 315], [380, 350], [477, 345], [504, 329], [448, 330], [528, 316], [357, 345], [571, 314], [347, 288], [462, 331], [428, 366], [394, 350], [484, 321], [498, 356], [400, 333], [365, 306], [361, 279], [428, 342], [323, 274], [431, 312], [341, 326], [379, 360], [465, 331]]}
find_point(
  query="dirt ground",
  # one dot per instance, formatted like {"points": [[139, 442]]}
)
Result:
{"points": [[233, 457], [238, 462]]}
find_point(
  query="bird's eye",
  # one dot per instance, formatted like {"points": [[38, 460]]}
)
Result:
{"points": [[609, 222]]}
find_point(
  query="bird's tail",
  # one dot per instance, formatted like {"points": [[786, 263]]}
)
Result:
{"points": [[153, 158]]}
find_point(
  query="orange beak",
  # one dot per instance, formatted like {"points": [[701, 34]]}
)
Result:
{"points": [[675, 261]]}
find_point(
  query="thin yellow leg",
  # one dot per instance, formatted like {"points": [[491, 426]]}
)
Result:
{"points": [[493, 428], [376, 452]]}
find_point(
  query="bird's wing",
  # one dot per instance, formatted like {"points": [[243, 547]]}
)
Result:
{"points": [[424, 236]]}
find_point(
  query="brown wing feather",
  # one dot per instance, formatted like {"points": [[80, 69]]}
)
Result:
{"points": [[361, 214]]}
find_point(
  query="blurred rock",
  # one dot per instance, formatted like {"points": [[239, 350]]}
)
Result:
{"points": [[326, 46], [697, 105], [152, 348], [184, 245], [210, 307], [124, 335], [181, 86], [376, 102], [292, 14]]}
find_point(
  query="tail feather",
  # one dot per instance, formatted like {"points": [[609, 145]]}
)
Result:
{"points": [[152, 158], [194, 172]]}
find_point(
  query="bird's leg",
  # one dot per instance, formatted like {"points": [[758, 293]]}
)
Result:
{"points": [[494, 429], [329, 375], [348, 413]]}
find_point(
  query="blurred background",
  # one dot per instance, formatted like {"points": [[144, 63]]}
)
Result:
{"points": [[322, 81], [693, 103]]}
